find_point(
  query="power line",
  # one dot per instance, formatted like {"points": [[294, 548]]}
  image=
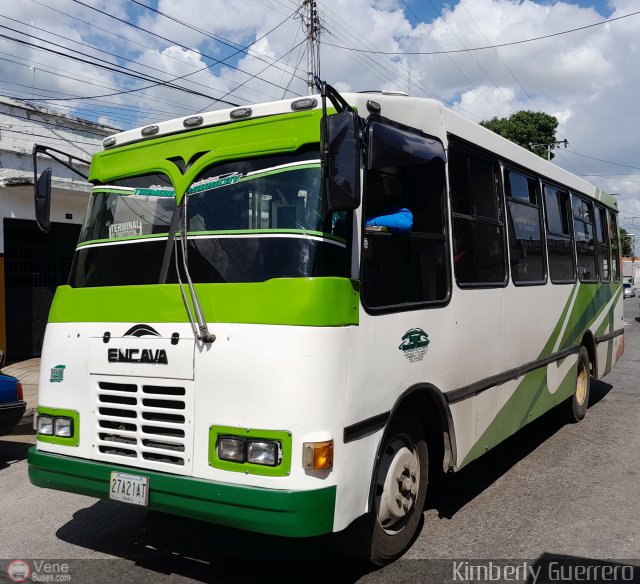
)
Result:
{"points": [[173, 42], [499, 57], [606, 161], [490, 46], [107, 66], [453, 62], [218, 38], [132, 41], [255, 75]]}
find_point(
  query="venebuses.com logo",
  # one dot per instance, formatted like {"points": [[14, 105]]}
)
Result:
{"points": [[38, 571], [19, 571]]}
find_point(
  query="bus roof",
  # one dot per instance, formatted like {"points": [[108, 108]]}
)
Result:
{"points": [[425, 114]]}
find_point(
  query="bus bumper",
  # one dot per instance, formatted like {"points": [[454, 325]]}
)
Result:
{"points": [[275, 512]]}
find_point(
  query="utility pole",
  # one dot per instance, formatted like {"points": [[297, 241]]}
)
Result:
{"points": [[311, 22], [549, 145]]}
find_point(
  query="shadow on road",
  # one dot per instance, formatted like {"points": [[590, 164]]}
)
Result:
{"points": [[167, 544], [12, 452]]}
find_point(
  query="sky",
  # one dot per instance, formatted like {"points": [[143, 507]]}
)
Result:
{"points": [[111, 60]]}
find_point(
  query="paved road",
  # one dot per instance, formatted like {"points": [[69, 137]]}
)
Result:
{"points": [[553, 489]]}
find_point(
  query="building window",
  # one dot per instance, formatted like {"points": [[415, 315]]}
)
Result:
{"points": [[583, 227], [525, 229], [478, 229], [559, 240]]}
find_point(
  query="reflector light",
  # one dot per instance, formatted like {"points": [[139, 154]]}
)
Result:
{"points": [[192, 121], [241, 112], [304, 103], [150, 130], [110, 141]]}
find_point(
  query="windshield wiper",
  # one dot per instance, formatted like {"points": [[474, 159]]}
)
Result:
{"points": [[201, 329]]}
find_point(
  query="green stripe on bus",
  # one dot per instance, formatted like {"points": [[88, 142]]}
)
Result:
{"points": [[530, 400], [532, 397], [281, 301], [272, 511]]}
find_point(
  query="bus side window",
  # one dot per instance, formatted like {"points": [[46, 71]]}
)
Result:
{"points": [[525, 229], [404, 268], [478, 230], [583, 228], [559, 240], [602, 237], [615, 247]]}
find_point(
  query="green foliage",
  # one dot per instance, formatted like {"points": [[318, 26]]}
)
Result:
{"points": [[525, 128], [626, 243]]}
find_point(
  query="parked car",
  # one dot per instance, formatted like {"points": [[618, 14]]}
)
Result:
{"points": [[12, 404], [629, 290]]}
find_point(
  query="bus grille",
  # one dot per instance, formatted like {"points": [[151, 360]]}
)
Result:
{"points": [[142, 424]]}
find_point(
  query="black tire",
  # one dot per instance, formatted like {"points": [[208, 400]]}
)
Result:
{"points": [[400, 489], [576, 407]]}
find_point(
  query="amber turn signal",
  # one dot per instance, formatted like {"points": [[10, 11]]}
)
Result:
{"points": [[317, 455]]}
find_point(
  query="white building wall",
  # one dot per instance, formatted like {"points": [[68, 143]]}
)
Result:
{"points": [[21, 126]]}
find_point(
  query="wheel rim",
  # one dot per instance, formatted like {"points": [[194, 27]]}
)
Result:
{"points": [[581, 383], [397, 484]]}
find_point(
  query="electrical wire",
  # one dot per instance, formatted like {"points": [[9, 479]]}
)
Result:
{"points": [[133, 41], [520, 42], [218, 38], [176, 43], [108, 67]]}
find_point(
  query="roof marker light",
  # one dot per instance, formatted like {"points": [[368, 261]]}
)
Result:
{"points": [[241, 112], [110, 141], [150, 130], [374, 107], [192, 121], [304, 103]]}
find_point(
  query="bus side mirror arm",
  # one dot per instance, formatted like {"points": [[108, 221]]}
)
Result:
{"points": [[42, 185]]}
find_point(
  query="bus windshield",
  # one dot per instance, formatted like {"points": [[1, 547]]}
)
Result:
{"points": [[247, 221], [119, 212]]}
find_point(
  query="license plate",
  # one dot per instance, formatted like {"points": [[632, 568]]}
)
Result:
{"points": [[129, 488]]}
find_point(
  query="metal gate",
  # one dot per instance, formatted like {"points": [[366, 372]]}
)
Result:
{"points": [[34, 265]]}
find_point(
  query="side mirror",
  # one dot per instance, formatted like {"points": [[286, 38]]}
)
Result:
{"points": [[43, 200], [340, 163]]}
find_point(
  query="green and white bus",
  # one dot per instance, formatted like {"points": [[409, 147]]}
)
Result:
{"points": [[236, 345]]}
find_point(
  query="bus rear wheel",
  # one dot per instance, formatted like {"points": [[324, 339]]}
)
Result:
{"points": [[577, 405], [400, 489]]}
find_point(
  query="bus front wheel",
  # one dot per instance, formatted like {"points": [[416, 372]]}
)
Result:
{"points": [[400, 489], [577, 405]]}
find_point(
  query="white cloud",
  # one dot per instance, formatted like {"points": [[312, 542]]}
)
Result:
{"points": [[588, 79]]}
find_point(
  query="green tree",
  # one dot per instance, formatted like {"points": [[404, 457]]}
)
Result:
{"points": [[625, 241], [525, 128]]}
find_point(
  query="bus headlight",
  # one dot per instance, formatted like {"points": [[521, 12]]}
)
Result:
{"points": [[263, 452], [45, 425], [230, 448], [63, 427], [258, 451]]}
